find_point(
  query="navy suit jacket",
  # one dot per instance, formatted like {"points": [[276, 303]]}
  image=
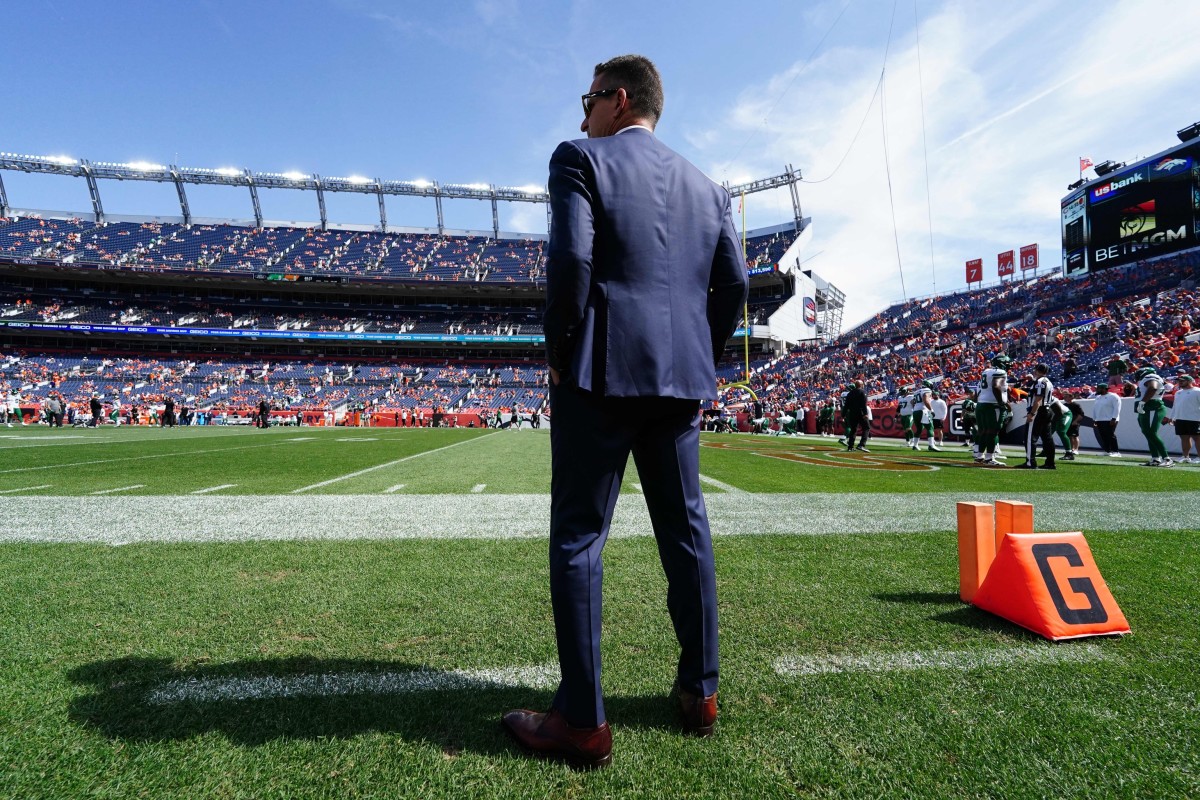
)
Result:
{"points": [[645, 276]]}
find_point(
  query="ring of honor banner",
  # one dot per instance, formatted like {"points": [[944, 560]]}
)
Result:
{"points": [[1029, 257], [1004, 263], [975, 270]]}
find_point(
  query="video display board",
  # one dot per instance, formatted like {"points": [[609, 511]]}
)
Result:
{"points": [[1146, 211]]}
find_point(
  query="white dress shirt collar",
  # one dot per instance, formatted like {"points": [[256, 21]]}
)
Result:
{"points": [[631, 127]]}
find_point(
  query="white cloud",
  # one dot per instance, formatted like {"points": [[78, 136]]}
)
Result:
{"points": [[1010, 102]]}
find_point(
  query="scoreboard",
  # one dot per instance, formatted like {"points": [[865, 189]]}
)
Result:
{"points": [[1144, 211]]}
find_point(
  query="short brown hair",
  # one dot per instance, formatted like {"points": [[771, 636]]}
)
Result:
{"points": [[638, 76]]}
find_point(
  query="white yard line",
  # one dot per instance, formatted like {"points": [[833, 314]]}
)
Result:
{"points": [[724, 487], [27, 488], [477, 488], [637, 487], [217, 690], [175, 454], [230, 517], [55, 440], [796, 666], [121, 489], [394, 489], [214, 488], [340, 478]]}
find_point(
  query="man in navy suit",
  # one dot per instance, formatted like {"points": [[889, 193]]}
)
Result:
{"points": [[645, 284]]}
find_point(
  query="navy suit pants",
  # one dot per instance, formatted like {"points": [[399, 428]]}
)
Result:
{"points": [[591, 440]]}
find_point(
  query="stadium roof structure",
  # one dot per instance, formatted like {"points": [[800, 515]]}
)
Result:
{"points": [[93, 172]]}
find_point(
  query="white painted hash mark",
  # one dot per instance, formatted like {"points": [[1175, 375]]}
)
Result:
{"points": [[27, 488], [216, 690], [214, 488], [393, 489], [724, 487], [388, 464], [797, 666], [120, 489], [477, 488]]}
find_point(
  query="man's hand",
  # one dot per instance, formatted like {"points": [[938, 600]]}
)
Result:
{"points": [[554, 376]]}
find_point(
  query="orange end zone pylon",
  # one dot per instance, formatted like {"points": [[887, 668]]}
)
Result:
{"points": [[1045, 582]]}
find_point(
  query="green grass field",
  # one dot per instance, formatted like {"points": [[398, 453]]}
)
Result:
{"points": [[299, 613]]}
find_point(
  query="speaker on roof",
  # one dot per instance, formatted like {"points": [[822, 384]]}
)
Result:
{"points": [[1190, 132]]}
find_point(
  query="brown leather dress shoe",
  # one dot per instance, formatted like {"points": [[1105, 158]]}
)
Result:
{"points": [[697, 715], [549, 736]]}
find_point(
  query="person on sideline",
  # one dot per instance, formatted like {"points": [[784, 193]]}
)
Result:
{"points": [[1185, 416], [1106, 413], [645, 279]]}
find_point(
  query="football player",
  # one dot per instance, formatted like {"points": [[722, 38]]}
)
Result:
{"points": [[992, 405], [1150, 411]]}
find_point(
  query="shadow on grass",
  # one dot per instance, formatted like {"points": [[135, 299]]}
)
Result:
{"points": [[123, 705], [977, 619], [920, 598]]}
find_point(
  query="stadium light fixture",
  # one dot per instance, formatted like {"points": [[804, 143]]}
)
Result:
{"points": [[421, 183], [479, 187], [64, 160], [530, 189], [295, 176], [229, 172], [358, 179], [144, 166], [1190, 132]]}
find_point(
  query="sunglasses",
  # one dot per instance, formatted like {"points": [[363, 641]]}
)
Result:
{"points": [[587, 99]]}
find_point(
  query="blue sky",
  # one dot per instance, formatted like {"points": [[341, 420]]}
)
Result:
{"points": [[464, 92]]}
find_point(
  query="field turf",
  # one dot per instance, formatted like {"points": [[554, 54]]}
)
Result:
{"points": [[293, 613]]}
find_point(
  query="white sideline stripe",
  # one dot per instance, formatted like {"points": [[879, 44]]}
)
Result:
{"points": [[388, 464], [477, 488], [216, 690], [27, 488], [54, 440], [121, 489], [393, 489], [1067, 653], [233, 518], [214, 488], [175, 454], [724, 487], [638, 487]]}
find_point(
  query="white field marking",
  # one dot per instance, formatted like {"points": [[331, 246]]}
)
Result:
{"points": [[637, 487], [27, 488], [477, 488], [724, 487], [393, 489], [301, 439], [303, 489], [231, 518], [53, 440], [214, 488], [1068, 653], [121, 489], [218, 690], [139, 458], [356, 439]]}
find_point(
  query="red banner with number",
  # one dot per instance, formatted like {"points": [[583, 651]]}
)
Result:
{"points": [[1029, 257], [975, 270], [1004, 263]]}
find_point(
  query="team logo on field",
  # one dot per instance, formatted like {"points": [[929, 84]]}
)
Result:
{"points": [[824, 455]]}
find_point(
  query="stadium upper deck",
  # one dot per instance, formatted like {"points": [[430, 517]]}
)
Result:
{"points": [[238, 249]]}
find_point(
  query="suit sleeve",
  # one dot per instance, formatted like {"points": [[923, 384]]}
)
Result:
{"points": [[569, 258], [728, 285]]}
